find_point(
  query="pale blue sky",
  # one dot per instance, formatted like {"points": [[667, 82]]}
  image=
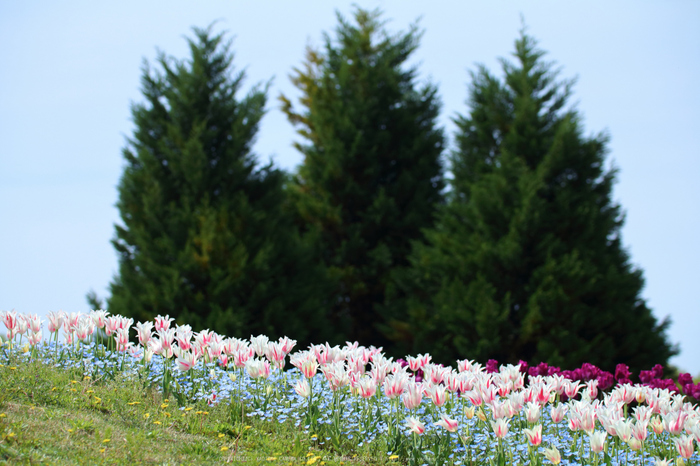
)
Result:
{"points": [[69, 71]]}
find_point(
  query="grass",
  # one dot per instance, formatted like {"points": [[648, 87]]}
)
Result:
{"points": [[53, 416]]}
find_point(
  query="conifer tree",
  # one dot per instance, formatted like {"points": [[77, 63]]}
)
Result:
{"points": [[526, 261], [205, 238], [372, 172]]}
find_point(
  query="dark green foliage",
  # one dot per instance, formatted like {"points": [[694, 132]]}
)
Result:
{"points": [[372, 173], [204, 236], [526, 260]]}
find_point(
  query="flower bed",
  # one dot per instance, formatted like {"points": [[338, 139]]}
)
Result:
{"points": [[353, 398]]}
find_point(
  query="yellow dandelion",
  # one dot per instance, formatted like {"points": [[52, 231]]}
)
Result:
{"points": [[98, 399], [73, 390], [271, 458], [13, 368], [247, 427], [183, 414], [311, 453], [156, 422], [313, 459], [90, 391], [70, 430], [146, 416], [166, 400], [394, 457], [106, 440], [133, 403], [54, 389], [164, 405], [198, 412], [73, 381], [166, 414], [3, 415], [102, 450], [224, 448], [189, 408], [221, 436]]}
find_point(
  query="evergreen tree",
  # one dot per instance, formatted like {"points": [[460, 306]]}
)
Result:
{"points": [[205, 238], [526, 260], [372, 173]]}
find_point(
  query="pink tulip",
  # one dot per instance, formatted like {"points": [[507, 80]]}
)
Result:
{"points": [[534, 435], [241, 357], [259, 344], [99, 317], [163, 323], [413, 395], [500, 427], [532, 412], [121, 337], [9, 318], [55, 321], [303, 388], [437, 394], [684, 445], [186, 360], [82, 331], [639, 430], [143, 331], [449, 424], [34, 337], [674, 421], [395, 384], [557, 413], [275, 354], [287, 344], [415, 425], [111, 325], [367, 387]]}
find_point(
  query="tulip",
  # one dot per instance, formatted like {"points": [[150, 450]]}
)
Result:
{"points": [[415, 425], [597, 441], [99, 317], [532, 412], [55, 321], [500, 427], [447, 423], [413, 395], [684, 445], [367, 387], [634, 444], [303, 388], [186, 360], [259, 344], [143, 332], [552, 454], [395, 384], [624, 430], [437, 394], [534, 435], [558, 413], [657, 424], [34, 337], [163, 323], [469, 412], [639, 430], [674, 421]]}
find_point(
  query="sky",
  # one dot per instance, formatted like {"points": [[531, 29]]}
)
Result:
{"points": [[70, 70]]}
